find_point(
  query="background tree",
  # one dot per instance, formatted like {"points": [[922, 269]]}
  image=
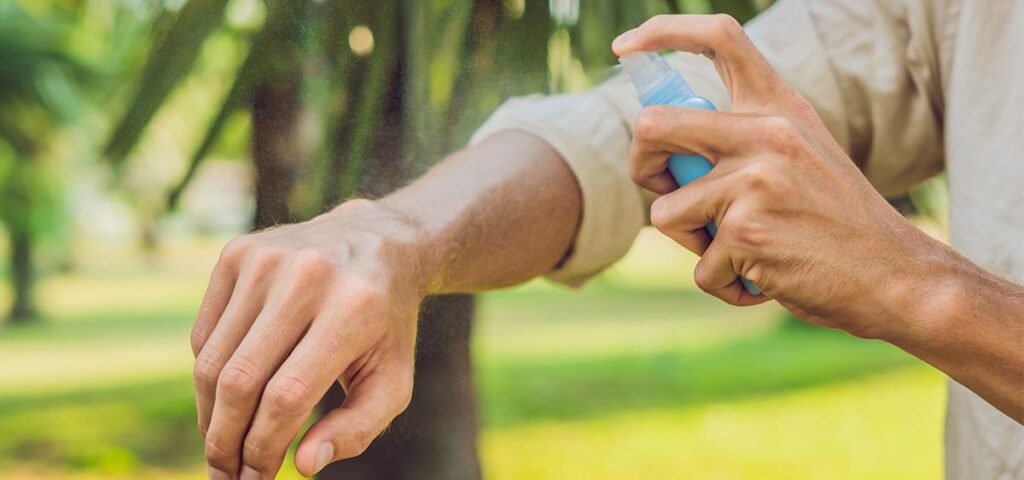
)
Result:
{"points": [[37, 77], [436, 436]]}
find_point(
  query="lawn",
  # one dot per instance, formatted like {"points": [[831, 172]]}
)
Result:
{"points": [[639, 375]]}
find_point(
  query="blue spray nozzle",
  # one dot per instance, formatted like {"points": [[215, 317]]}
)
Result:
{"points": [[648, 70]]}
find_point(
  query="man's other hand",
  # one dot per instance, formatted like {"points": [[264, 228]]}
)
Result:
{"points": [[794, 213]]}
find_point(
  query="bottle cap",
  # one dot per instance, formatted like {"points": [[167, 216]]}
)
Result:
{"points": [[647, 70]]}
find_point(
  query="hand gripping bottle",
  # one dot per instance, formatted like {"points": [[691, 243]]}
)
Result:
{"points": [[657, 83]]}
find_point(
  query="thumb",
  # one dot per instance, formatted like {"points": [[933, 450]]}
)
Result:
{"points": [[346, 432]]}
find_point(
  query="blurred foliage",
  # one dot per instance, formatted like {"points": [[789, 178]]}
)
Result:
{"points": [[458, 59], [169, 59], [931, 201], [440, 66], [38, 96]]}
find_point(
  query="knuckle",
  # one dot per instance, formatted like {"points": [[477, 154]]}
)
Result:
{"points": [[756, 177], [661, 214], [700, 278], [780, 135], [726, 27], [650, 123], [364, 295], [747, 232], [238, 378], [312, 262], [287, 395], [265, 257], [636, 173], [236, 249], [206, 369], [257, 454], [218, 455], [755, 274]]}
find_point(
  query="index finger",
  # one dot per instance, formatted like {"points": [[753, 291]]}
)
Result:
{"points": [[215, 301], [220, 290], [718, 37], [661, 131]]}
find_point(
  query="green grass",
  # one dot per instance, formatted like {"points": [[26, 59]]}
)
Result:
{"points": [[886, 426], [637, 376]]}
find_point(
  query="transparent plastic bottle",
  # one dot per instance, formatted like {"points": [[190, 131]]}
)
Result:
{"points": [[657, 83]]}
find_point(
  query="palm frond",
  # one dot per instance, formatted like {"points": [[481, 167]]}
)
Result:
{"points": [[169, 60]]}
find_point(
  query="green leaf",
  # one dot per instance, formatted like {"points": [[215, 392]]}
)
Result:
{"points": [[37, 79], [236, 98], [170, 59]]}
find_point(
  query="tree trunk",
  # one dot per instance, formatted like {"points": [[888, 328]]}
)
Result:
{"points": [[276, 153], [436, 436], [477, 54], [276, 109], [387, 170], [22, 278]]}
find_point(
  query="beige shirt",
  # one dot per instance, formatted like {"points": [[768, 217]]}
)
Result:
{"points": [[907, 87]]}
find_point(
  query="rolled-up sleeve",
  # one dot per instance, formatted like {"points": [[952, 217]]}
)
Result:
{"points": [[848, 58]]}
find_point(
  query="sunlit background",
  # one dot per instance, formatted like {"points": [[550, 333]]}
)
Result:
{"points": [[137, 136]]}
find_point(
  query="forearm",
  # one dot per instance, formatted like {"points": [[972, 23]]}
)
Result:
{"points": [[492, 215], [968, 323]]}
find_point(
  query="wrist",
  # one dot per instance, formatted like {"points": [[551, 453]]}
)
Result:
{"points": [[965, 324], [929, 296], [405, 245]]}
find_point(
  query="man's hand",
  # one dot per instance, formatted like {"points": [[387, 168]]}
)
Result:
{"points": [[795, 215], [291, 310]]}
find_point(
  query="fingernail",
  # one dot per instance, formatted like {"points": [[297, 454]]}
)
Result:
{"points": [[324, 454], [218, 475], [248, 473], [623, 40]]}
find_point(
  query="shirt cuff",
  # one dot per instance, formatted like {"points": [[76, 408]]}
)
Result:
{"points": [[594, 141]]}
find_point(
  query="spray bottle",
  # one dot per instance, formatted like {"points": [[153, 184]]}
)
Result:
{"points": [[657, 83]]}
